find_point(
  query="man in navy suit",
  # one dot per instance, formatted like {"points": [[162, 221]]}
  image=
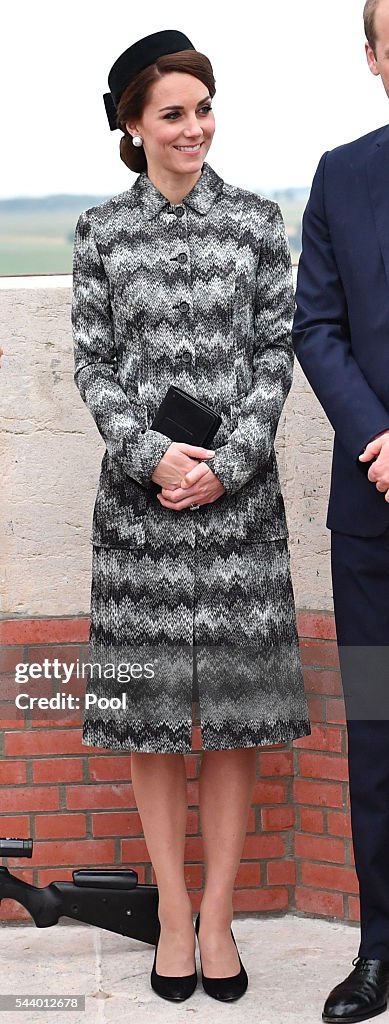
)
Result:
{"points": [[341, 338]]}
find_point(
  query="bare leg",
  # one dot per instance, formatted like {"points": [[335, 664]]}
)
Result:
{"points": [[227, 781], [160, 788]]}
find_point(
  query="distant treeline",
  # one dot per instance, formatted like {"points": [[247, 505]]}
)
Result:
{"points": [[62, 201], [69, 201]]}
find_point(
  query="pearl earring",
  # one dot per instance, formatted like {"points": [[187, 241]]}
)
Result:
{"points": [[137, 140]]}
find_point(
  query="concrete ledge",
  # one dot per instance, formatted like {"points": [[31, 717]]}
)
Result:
{"points": [[52, 451], [75, 629]]}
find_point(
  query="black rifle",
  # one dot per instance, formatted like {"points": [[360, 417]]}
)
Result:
{"points": [[108, 899]]}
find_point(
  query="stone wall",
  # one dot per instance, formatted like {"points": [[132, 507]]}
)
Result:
{"points": [[51, 453]]}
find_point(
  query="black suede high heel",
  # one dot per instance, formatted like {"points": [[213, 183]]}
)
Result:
{"points": [[175, 989], [224, 989]]}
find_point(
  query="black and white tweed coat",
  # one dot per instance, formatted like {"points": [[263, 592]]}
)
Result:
{"points": [[198, 294]]}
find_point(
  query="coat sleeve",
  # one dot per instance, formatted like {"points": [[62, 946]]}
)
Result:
{"points": [[321, 334], [119, 416], [250, 446]]}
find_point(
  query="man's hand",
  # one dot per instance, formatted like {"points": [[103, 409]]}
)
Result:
{"points": [[199, 486], [178, 460], [378, 474]]}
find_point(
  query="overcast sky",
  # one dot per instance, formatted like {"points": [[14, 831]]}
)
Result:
{"points": [[291, 79]]}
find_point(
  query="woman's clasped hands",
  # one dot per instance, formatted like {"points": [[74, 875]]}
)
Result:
{"points": [[184, 479]]}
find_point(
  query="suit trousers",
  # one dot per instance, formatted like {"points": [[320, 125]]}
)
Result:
{"points": [[360, 574]]}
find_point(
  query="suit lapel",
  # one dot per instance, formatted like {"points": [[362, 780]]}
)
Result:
{"points": [[378, 176]]}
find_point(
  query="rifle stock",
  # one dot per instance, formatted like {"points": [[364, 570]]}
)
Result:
{"points": [[108, 899]]}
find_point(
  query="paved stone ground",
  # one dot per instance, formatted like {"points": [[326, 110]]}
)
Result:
{"points": [[292, 964]]}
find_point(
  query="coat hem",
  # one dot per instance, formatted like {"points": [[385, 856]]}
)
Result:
{"points": [[265, 734]]}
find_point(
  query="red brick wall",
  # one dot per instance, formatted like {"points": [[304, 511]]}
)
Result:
{"points": [[77, 802], [326, 882]]}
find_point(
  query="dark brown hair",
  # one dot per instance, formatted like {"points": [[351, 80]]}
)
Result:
{"points": [[134, 98], [369, 21]]}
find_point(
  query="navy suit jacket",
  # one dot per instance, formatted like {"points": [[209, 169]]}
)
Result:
{"points": [[341, 325]]}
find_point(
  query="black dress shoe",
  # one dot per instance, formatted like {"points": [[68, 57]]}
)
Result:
{"points": [[362, 995], [224, 989], [175, 989]]}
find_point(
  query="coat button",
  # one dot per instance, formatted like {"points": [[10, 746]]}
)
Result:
{"points": [[182, 257], [179, 211], [184, 307], [186, 357]]}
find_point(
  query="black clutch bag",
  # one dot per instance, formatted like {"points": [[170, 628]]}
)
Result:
{"points": [[183, 418]]}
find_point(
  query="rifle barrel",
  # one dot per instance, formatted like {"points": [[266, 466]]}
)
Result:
{"points": [[16, 847]]}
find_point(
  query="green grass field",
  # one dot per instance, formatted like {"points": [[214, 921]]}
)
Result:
{"points": [[38, 242]]}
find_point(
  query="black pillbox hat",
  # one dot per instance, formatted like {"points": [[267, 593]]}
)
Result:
{"points": [[137, 57]]}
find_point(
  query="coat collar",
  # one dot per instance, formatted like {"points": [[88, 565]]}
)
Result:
{"points": [[201, 197]]}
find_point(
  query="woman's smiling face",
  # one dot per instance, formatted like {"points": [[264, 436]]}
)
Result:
{"points": [[177, 124]]}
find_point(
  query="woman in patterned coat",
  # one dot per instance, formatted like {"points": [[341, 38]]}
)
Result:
{"points": [[185, 279]]}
